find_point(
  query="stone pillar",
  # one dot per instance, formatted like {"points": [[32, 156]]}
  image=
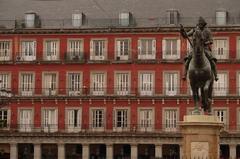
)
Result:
{"points": [[181, 151], [158, 151], [13, 151], [85, 151], [200, 136], [109, 151], [233, 151], [134, 152], [37, 151], [61, 151]]}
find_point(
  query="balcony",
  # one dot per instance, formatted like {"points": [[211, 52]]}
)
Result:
{"points": [[74, 57], [23, 57]]}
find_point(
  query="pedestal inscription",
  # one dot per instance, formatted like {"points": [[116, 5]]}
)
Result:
{"points": [[199, 150]]}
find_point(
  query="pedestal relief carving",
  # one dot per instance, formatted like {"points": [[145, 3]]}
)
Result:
{"points": [[199, 150]]}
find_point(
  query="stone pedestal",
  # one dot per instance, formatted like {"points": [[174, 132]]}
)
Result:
{"points": [[200, 136]]}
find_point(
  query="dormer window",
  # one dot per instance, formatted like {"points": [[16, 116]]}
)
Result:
{"points": [[124, 19], [221, 17], [172, 17], [77, 19], [30, 18]]}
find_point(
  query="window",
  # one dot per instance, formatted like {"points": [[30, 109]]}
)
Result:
{"points": [[28, 51], [220, 48], [27, 84], [5, 83], [75, 49], [238, 48], [124, 19], [50, 120], [98, 83], [122, 49], [146, 49], [121, 122], [172, 17], [146, 120], [98, 50], [98, 123], [50, 84], [171, 83], [170, 119], [74, 84], [220, 86], [4, 118], [146, 84], [25, 120], [51, 50], [5, 50], [171, 49], [73, 119], [30, 19], [238, 83], [122, 85], [77, 19], [221, 17], [222, 115]]}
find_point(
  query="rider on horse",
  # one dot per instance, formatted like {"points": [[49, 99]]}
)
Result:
{"points": [[207, 36]]}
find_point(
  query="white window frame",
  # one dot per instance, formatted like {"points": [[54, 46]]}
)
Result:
{"points": [[172, 16], [238, 118], [50, 125], [97, 124], [172, 55], [75, 49], [120, 48], [101, 48], [52, 90], [221, 17], [238, 48], [98, 83], [146, 55], [26, 88], [28, 50], [124, 19], [221, 111], [125, 126], [146, 83], [8, 118], [5, 85], [221, 49], [26, 119], [238, 83], [77, 19], [170, 120], [125, 87], [72, 124], [146, 120], [5, 50], [173, 90], [53, 55], [220, 87], [74, 86]]}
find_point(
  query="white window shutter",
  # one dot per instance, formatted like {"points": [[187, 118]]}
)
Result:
{"points": [[91, 48], [178, 49], [154, 47], [164, 48], [139, 47], [118, 48]]}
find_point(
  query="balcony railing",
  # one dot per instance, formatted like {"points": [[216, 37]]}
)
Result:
{"points": [[72, 128], [98, 23], [117, 91]]}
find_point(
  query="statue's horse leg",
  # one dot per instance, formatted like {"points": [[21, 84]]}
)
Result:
{"points": [[206, 100], [195, 97]]}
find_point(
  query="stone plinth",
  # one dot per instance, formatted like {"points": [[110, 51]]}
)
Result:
{"points": [[200, 136]]}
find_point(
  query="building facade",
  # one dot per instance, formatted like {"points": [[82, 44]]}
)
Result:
{"points": [[108, 88]]}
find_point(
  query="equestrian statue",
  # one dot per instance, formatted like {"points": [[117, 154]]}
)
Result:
{"points": [[200, 65]]}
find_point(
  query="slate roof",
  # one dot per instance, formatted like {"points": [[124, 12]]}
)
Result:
{"points": [[110, 9]]}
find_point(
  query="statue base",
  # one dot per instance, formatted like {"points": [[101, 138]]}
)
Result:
{"points": [[200, 136]]}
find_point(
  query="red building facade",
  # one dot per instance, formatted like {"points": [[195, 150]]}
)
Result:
{"points": [[107, 92]]}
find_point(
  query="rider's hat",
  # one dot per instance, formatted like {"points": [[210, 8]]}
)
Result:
{"points": [[202, 21]]}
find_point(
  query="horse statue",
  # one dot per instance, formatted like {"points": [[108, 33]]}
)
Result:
{"points": [[200, 74]]}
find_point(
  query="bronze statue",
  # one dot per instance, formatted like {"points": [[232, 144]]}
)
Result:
{"points": [[207, 37], [200, 65]]}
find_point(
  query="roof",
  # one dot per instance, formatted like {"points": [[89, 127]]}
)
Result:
{"points": [[110, 9]]}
